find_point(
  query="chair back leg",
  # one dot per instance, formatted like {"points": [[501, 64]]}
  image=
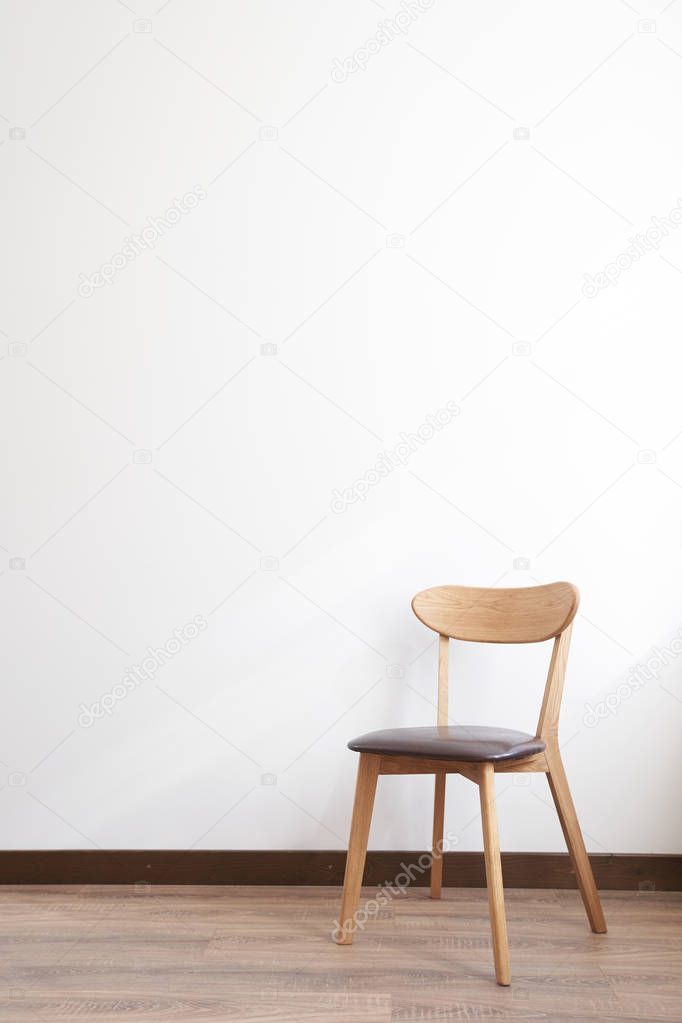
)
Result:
{"points": [[437, 844], [493, 873], [568, 818], [365, 788]]}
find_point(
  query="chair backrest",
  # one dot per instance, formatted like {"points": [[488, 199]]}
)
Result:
{"points": [[526, 615]]}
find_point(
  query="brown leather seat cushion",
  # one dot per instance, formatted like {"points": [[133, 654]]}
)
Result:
{"points": [[471, 743]]}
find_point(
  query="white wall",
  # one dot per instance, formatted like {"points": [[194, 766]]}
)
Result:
{"points": [[396, 242]]}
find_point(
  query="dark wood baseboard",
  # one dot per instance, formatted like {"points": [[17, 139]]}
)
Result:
{"points": [[643, 872]]}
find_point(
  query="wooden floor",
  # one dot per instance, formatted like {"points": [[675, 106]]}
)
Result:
{"points": [[266, 954]]}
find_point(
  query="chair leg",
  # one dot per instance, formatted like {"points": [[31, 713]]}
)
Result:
{"points": [[368, 771], [437, 845], [493, 873], [561, 794]]}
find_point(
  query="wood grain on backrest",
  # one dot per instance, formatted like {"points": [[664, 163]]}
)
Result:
{"points": [[528, 615]]}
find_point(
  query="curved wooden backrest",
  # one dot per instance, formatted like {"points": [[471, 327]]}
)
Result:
{"points": [[527, 615]]}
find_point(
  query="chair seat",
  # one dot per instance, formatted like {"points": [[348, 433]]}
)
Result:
{"points": [[468, 743]]}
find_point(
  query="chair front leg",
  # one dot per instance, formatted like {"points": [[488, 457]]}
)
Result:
{"points": [[365, 788], [493, 873]]}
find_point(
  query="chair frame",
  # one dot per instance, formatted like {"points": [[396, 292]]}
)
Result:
{"points": [[531, 614]]}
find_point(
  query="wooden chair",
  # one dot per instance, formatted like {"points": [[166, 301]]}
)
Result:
{"points": [[528, 615]]}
